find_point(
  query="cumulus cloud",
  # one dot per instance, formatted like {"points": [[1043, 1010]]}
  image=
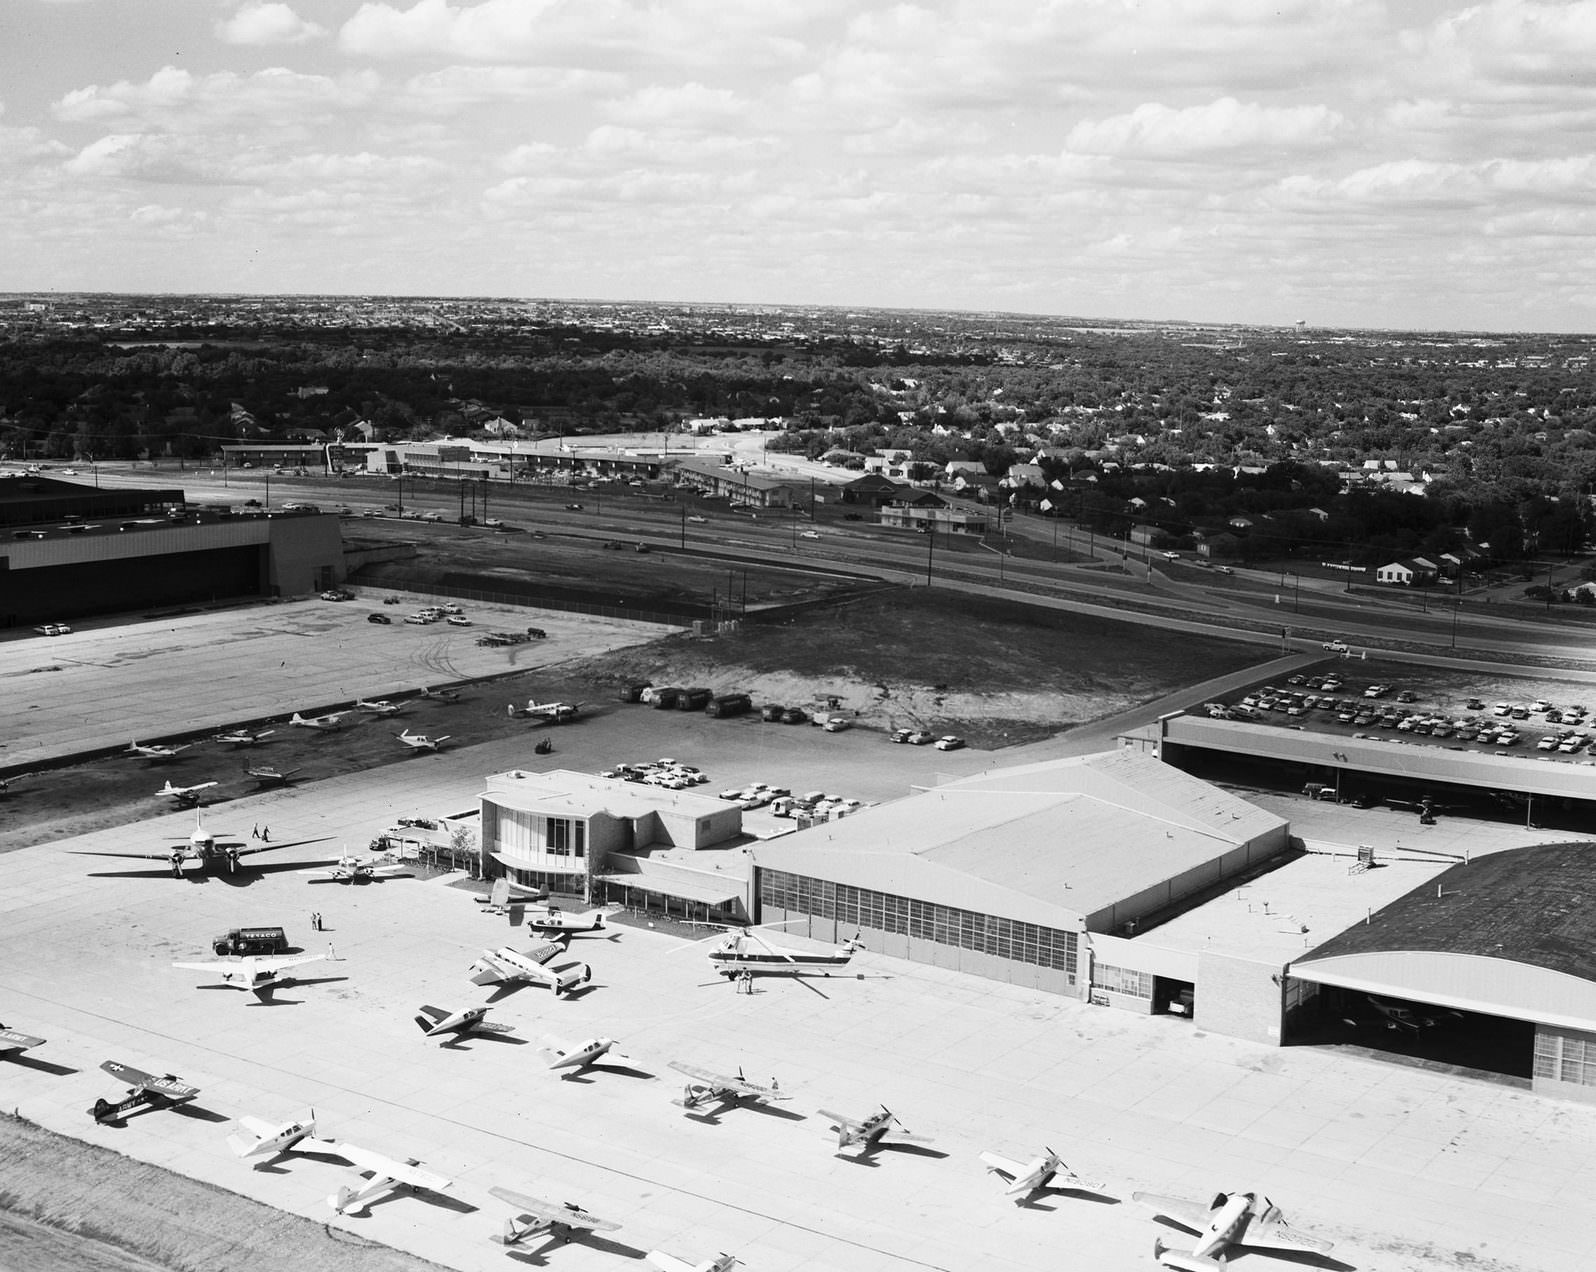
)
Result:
{"points": [[162, 159], [180, 100], [267, 23], [1221, 128], [456, 87]]}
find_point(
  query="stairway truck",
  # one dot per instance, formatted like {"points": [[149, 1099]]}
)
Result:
{"points": [[729, 704], [253, 940]]}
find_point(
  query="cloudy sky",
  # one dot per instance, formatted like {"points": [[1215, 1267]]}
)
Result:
{"points": [[1413, 164]]}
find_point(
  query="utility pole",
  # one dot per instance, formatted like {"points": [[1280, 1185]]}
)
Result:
{"points": [[930, 543], [684, 527]]}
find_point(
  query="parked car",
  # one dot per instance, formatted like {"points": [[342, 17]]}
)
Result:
{"points": [[794, 715], [379, 618], [458, 620], [950, 743], [920, 738], [1336, 646], [53, 629]]}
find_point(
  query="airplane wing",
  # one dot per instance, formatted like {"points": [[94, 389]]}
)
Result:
{"points": [[434, 1014], [546, 1212], [16, 1040], [670, 1263], [703, 1075], [1189, 1214], [842, 1123], [492, 1027], [1004, 1166], [277, 964], [387, 1168], [215, 968], [126, 1073], [171, 1088], [1274, 1234]]}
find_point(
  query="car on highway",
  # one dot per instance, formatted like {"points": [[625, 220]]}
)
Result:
{"points": [[810, 534], [699, 521], [1223, 569], [573, 507], [1336, 646], [493, 523], [949, 742], [252, 503]]}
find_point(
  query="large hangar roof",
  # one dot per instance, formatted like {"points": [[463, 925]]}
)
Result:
{"points": [[1045, 843]]}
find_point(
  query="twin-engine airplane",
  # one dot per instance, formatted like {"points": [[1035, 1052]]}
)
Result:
{"points": [[257, 973], [352, 869], [556, 921], [1399, 1016], [14, 1042], [1230, 1219], [421, 742], [581, 1056], [533, 965], [745, 952], [452, 1026], [1025, 1179], [264, 1142], [155, 752], [204, 851], [143, 1088], [327, 723], [505, 895], [440, 695], [705, 1087], [868, 1133], [670, 1263], [185, 796], [243, 737], [533, 1217]]}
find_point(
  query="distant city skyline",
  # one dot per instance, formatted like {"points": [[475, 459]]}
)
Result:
{"points": [[1350, 163]]}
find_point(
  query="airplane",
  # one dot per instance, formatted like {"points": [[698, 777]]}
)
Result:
{"points": [[143, 1088], [435, 1022], [1426, 807], [266, 775], [380, 706], [704, 1086], [871, 1131], [440, 695], [556, 921], [386, 1175], [421, 742], [533, 1217], [328, 722], [203, 849], [1401, 1015], [1230, 1219], [745, 952], [265, 1142], [1037, 1175], [155, 752], [185, 796], [670, 1263], [352, 869], [549, 712], [582, 1055], [243, 737], [533, 965], [500, 899], [256, 973], [14, 1042]]}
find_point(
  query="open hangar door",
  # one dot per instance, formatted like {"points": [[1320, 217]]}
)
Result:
{"points": [[1408, 1030]]}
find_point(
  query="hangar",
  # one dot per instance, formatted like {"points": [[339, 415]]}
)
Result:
{"points": [[1007, 874]]}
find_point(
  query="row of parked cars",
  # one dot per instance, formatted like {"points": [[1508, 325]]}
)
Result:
{"points": [[920, 737]]}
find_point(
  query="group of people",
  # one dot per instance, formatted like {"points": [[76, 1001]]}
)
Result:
{"points": [[262, 833]]}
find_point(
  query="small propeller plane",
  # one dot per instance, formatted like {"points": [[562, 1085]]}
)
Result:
{"points": [[556, 921], [143, 1088], [258, 974], [869, 1133], [1230, 1219], [421, 742], [155, 752], [1399, 1016], [267, 775], [670, 1263], [548, 712], [506, 894], [1025, 1179], [204, 851], [581, 1056], [704, 1087], [378, 706], [745, 952], [452, 1026], [386, 1175], [15, 1042], [352, 869], [243, 737], [185, 796], [533, 1217], [263, 1142], [534, 965], [439, 695], [327, 723]]}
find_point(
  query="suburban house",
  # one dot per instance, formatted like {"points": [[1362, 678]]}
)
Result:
{"points": [[1414, 572]]}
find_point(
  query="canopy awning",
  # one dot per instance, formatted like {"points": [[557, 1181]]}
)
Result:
{"points": [[706, 893]]}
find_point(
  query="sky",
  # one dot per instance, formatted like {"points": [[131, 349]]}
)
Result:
{"points": [[1410, 165]]}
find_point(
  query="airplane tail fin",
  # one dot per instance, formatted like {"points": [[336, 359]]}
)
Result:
{"points": [[342, 1200], [242, 1145], [1184, 1261]]}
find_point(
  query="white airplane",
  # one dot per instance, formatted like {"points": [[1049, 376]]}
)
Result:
{"points": [[554, 920], [351, 869], [435, 1022], [704, 1087], [744, 952], [441, 695], [14, 1042], [869, 1132], [204, 850], [328, 722], [506, 894], [257, 973], [185, 796], [534, 965], [264, 1142], [378, 706], [582, 1055], [533, 1217], [1230, 1219], [421, 742], [550, 712], [155, 752], [1037, 1175], [243, 737], [386, 1175], [670, 1263], [266, 775]]}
